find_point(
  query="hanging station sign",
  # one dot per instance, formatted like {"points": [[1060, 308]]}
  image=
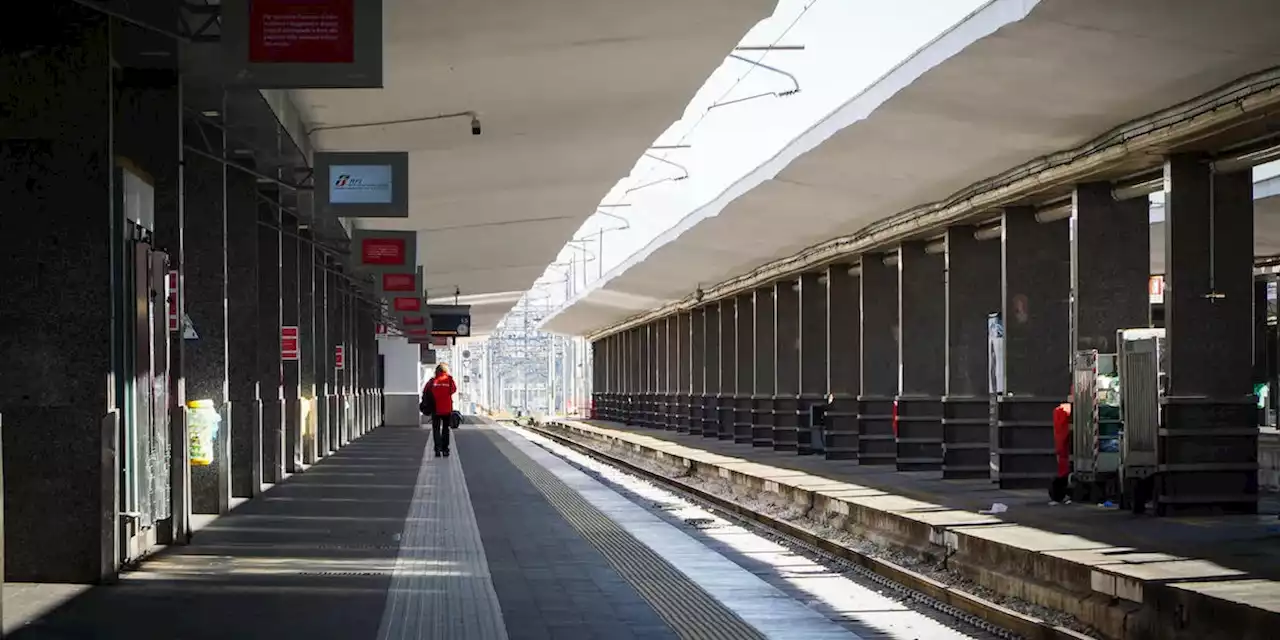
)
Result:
{"points": [[339, 358], [303, 44], [398, 283], [362, 184], [384, 251], [289, 343], [450, 320], [1155, 289]]}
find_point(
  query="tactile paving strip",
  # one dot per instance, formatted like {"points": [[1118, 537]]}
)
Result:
{"points": [[441, 588], [691, 612]]}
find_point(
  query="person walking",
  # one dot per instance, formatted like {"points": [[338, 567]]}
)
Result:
{"points": [[441, 389]]}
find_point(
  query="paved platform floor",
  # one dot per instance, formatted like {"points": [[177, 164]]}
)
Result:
{"points": [[1246, 543], [502, 540]]}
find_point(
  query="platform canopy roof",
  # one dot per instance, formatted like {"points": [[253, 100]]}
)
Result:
{"points": [[569, 93], [1015, 81]]}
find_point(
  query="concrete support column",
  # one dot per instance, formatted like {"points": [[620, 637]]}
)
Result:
{"points": [[307, 346], [64, 244], [243, 321], [334, 329], [346, 305], [728, 370], [765, 368], [663, 371], [1207, 448], [684, 373], [205, 298], [322, 350], [673, 379], [633, 376], [973, 293], [644, 372], [786, 344], [844, 366], [698, 369], [1110, 267], [270, 388], [744, 350], [711, 369], [880, 334], [1036, 315], [651, 374], [922, 309], [813, 360], [289, 316]]}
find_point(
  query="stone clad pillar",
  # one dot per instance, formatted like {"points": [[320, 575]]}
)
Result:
{"points": [[922, 351], [662, 357], [270, 387], [306, 347], [684, 371], [765, 369], [61, 411], [813, 360], [1208, 444], [879, 360], [711, 370], [1036, 317], [844, 366], [206, 295], [728, 370], [243, 320], [697, 369], [786, 344], [973, 293], [744, 349]]}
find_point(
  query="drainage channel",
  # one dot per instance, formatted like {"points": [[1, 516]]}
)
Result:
{"points": [[974, 612]]}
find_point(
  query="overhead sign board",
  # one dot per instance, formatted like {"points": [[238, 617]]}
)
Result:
{"points": [[384, 251], [396, 283], [362, 184], [450, 320], [303, 44], [289, 343]]}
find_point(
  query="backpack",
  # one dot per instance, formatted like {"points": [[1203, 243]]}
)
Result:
{"points": [[427, 405]]}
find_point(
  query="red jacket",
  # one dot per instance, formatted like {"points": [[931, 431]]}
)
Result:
{"points": [[1062, 437], [442, 389]]}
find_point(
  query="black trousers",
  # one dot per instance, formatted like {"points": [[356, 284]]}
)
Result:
{"points": [[440, 433]]}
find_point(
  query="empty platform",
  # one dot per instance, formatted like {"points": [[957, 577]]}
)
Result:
{"points": [[501, 540]]}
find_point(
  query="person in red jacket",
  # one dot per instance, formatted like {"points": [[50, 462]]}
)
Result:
{"points": [[441, 388], [1058, 490]]}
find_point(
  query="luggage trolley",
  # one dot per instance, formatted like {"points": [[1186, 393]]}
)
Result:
{"points": [[1142, 369], [1096, 427]]}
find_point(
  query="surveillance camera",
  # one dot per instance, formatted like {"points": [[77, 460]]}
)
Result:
{"points": [[475, 126]]}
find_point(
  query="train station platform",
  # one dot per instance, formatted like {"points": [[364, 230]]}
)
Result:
{"points": [[1107, 567], [502, 539]]}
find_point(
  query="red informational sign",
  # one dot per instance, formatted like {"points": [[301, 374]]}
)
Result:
{"points": [[302, 31], [440, 341], [414, 321], [406, 303], [289, 343], [1155, 289], [339, 358], [398, 281], [171, 297], [382, 252], [380, 329]]}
